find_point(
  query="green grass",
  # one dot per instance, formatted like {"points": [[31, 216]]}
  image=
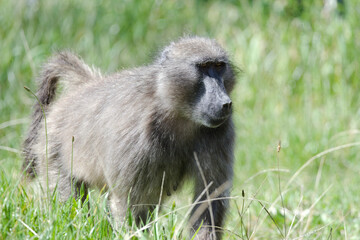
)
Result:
{"points": [[299, 84]]}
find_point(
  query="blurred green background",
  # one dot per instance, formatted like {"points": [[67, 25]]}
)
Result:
{"points": [[299, 84]]}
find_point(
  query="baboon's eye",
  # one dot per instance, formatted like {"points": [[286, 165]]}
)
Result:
{"points": [[203, 64], [220, 65], [212, 67]]}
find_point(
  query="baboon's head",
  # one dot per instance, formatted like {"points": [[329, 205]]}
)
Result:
{"points": [[195, 80]]}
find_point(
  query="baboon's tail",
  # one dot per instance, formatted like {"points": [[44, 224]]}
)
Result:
{"points": [[67, 68]]}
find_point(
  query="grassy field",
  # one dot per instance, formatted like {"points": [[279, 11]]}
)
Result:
{"points": [[299, 84]]}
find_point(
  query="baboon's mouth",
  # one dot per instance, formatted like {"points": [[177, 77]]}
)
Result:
{"points": [[216, 122]]}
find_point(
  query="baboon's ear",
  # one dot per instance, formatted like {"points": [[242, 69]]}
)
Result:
{"points": [[164, 56]]}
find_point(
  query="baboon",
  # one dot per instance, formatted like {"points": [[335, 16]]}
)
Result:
{"points": [[139, 131]]}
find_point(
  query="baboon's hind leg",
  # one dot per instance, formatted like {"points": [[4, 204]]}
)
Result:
{"points": [[53, 177]]}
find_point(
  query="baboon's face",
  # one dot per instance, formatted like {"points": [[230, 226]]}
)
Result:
{"points": [[196, 81], [211, 104]]}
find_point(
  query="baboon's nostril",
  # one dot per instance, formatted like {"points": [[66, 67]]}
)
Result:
{"points": [[227, 106]]}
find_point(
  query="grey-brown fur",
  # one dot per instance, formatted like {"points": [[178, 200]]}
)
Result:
{"points": [[134, 126]]}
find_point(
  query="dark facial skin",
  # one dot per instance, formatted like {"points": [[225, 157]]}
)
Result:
{"points": [[213, 103]]}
